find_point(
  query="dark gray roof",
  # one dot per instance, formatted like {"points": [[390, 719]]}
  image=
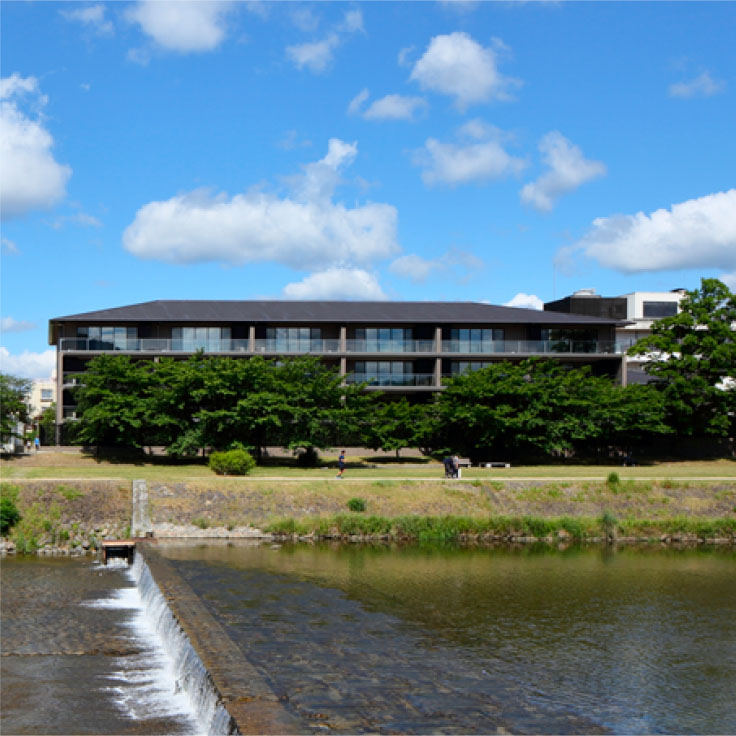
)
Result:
{"points": [[294, 312]]}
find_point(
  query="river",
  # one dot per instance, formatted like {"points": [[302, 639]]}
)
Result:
{"points": [[365, 639]]}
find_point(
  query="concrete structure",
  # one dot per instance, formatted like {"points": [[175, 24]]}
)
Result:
{"points": [[636, 311], [400, 347]]}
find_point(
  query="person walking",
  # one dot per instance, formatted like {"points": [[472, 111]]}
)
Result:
{"points": [[341, 464]]}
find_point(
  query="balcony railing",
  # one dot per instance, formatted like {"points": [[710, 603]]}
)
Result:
{"points": [[391, 346], [392, 379], [355, 347], [70, 412], [284, 346], [530, 347]]}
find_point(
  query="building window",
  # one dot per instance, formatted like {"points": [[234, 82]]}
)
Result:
{"points": [[209, 339], [293, 339], [657, 310], [458, 367], [110, 337], [383, 372], [476, 340], [47, 394], [383, 339]]}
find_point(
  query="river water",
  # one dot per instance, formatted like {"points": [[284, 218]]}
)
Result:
{"points": [[432, 640]]}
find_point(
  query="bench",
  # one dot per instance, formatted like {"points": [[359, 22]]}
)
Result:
{"points": [[494, 464], [463, 462]]}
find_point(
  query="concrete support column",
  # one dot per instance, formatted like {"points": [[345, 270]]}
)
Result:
{"points": [[59, 392], [343, 339], [438, 339], [252, 339], [343, 366], [438, 372], [622, 372]]}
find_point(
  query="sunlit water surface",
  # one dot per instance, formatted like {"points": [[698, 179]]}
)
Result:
{"points": [[533, 640]]}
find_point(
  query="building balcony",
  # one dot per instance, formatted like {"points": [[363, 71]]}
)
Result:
{"points": [[530, 347], [353, 347], [370, 347], [297, 347], [392, 379]]}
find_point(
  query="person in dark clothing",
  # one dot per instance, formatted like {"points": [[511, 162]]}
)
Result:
{"points": [[449, 463], [341, 464]]}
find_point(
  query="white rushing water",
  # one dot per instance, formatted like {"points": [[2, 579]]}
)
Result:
{"points": [[168, 679]]}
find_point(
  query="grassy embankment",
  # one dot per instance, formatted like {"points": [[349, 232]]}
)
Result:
{"points": [[404, 501]]}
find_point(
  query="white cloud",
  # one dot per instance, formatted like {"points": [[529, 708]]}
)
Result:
{"points": [[337, 284], [305, 229], [357, 102], [91, 16], [182, 25], [30, 177], [291, 141], [81, 218], [8, 324], [315, 56], [702, 86], [352, 22], [304, 19], [527, 301], [568, 169], [697, 233], [459, 66], [395, 107], [8, 246], [27, 364], [479, 156], [455, 264], [729, 279]]}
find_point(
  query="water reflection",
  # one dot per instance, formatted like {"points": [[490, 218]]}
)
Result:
{"points": [[447, 640]]}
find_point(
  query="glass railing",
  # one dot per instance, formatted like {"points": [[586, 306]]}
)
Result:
{"points": [[366, 347], [154, 345], [529, 347], [283, 346], [391, 346], [392, 379], [70, 412]]}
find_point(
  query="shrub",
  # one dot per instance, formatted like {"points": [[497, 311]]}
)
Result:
{"points": [[232, 462], [9, 515], [613, 481], [608, 523], [356, 504], [200, 522]]}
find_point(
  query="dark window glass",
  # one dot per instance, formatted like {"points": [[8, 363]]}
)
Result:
{"points": [[657, 310]]}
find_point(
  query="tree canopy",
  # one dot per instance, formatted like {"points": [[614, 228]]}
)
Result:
{"points": [[13, 406], [692, 358]]}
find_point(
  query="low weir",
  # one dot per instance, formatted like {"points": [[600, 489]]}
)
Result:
{"points": [[228, 694]]}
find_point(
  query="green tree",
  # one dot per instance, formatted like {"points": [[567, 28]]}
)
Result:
{"points": [[692, 359], [13, 406], [115, 402], [393, 425], [541, 408], [47, 425]]}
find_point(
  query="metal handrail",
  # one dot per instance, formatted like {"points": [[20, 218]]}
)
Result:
{"points": [[391, 346], [392, 379]]}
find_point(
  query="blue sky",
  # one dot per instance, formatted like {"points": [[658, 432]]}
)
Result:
{"points": [[508, 152]]}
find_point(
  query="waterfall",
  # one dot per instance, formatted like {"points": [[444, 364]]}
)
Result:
{"points": [[191, 675]]}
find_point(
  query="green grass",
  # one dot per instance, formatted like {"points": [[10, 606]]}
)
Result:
{"points": [[80, 467], [457, 528]]}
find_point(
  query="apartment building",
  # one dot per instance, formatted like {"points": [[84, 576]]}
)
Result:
{"points": [[636, 312], [398, 347]]}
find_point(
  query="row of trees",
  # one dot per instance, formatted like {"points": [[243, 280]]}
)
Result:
{"points": [[536, 408]]}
